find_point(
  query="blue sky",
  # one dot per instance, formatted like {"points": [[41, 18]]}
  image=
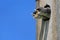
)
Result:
{"points": [[16, 21]]}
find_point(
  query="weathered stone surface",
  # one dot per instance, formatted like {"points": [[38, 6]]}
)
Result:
{"points": [[58, 18], [52, 34]]}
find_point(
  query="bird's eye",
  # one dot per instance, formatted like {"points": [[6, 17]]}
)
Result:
{"points": [[38, 9]]}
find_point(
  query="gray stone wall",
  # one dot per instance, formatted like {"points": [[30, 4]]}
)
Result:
{"points": [[58, 18]]}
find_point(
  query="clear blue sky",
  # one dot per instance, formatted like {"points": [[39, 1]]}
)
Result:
{"points": [[16, 21]]}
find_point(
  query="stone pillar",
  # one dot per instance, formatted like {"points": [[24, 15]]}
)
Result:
{"points": [[52, 33]]}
